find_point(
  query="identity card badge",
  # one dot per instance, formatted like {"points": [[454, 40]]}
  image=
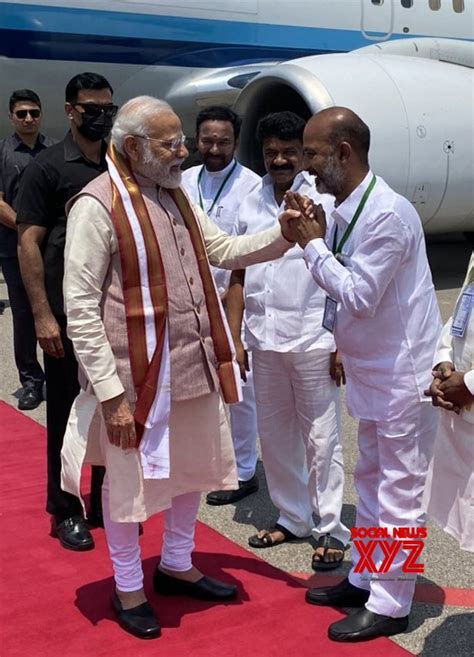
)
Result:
{"points": [[329, 317], [462, 312]]}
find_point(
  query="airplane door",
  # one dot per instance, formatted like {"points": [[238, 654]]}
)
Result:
{"points": [[377, 19]]}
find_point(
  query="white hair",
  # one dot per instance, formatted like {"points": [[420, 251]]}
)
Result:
{"points": [[133, 118]]}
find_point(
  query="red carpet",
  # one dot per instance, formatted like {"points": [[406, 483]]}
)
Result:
{"points": [[56, 602]]}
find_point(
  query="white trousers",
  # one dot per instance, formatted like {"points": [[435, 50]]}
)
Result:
{"points": [[390, 477], [124, 547], [243, 422], [298, 423]]}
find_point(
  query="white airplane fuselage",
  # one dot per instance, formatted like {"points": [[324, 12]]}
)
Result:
{"points": [[412, 82]]}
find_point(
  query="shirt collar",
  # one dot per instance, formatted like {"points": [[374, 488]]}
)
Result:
{"points": [[301, 179], [73, 152], [19, 143], [347, 209], [222, 173]]}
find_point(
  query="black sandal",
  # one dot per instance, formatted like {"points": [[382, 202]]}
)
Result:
{"points": [[326, 541], [266, 540]]}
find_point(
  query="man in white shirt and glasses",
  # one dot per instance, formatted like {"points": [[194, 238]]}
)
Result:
{"points": [[218, 187], [381, 306], [297, 402]]}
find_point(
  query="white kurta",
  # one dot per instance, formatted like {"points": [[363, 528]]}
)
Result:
{"points": [[387, 323], [449, 493]]}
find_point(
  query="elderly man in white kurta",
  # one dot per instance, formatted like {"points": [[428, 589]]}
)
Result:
{"points": [[154, 353], [449, 493], [297, 401], [382, 309], [218, 186]]}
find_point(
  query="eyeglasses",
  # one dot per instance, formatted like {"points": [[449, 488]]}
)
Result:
{"points": [[95, 110], [21, 114], [169, 144]]}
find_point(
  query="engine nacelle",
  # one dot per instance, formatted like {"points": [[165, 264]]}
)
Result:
{"points": [[420, 114]]}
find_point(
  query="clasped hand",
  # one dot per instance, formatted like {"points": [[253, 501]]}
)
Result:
{"points": [[448, 389], [302, 220]]}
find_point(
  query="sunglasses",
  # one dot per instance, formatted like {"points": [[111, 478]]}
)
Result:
{"points": [[21, 114], [95, 110]]}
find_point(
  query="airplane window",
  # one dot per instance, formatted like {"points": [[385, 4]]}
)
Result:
{"points": [[435, 5], [377, 2], [408, 4], [458, 6]]}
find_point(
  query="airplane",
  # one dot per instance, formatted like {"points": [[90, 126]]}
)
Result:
{"points": [[405, 66]]}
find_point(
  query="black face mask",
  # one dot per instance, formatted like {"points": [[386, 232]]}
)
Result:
{"points": [[95, 128]]}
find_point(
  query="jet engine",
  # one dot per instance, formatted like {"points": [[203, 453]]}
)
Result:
{"points": [[419, 111]]}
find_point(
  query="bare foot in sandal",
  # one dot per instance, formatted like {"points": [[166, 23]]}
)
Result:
{"points": [[267, 538], [329, 553]]}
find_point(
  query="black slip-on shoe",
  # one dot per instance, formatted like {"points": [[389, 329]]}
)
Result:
{"points": [[343, 594], [364, 624], [205, 588], [140, 621], [30, 398], [220, 497], [72, 533]]}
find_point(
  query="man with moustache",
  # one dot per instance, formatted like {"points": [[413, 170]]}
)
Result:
{"points": [[297, 402], [381, 306], [218, 186], [51, 179], [16, 152], [154, 348]]}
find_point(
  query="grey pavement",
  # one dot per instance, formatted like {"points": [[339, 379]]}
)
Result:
{"points": [[435, 630]]}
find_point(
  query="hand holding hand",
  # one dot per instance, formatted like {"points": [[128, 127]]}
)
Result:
{"points": [[119, 422], [455, 391]]}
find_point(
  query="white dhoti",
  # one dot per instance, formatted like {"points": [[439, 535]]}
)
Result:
{"points": [[298, 418], [201, 457], [390, 477], [449, 492]]}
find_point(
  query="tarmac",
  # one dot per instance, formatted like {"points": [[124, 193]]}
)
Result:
{"points": [[441, 622]]}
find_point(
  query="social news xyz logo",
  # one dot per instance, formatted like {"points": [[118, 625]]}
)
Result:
{"points": [[410, 540]]}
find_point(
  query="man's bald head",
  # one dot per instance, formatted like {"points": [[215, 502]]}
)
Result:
{"points": [[338, 124]]}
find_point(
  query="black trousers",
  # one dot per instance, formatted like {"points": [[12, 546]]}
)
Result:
{"points": [[62, 387], [24, 334]]}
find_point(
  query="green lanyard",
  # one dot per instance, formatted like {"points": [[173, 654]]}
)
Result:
{"points": [[219, 191], [337, 249]]}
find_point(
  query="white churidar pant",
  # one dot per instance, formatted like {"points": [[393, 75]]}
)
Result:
{"points": [[124, 547], [390, 477], [243, 422], [298, 424]]}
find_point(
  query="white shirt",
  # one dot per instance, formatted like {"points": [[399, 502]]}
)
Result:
{"points": [[460, 351], [283, 306], [387, 320], [225, 211]]}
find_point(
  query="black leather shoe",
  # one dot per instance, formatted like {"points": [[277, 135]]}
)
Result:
{"points": [[139, 621], [72, 533], [219, 497], [343, 594], [364, 624], [205, 588], [30, 398]]}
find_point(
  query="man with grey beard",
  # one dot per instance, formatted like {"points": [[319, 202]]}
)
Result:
{"points": [[154, 352]]}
